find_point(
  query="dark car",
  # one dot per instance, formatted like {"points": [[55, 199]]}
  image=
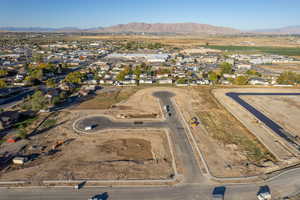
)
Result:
{"points": [[218, 193]]}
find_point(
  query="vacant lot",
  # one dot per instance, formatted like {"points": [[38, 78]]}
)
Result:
{"points": [[229, 148], [279, 68], [108, 97], [285, 110], [111, 155]]}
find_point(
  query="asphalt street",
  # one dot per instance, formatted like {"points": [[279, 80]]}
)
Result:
{"points": [[263, 118]]}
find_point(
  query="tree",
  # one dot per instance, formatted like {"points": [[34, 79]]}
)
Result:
{"points": [[38, 101], [137, 72], [253, 73], [50, 83], [37, 74], [3, 72], [288, 78], [2, 84], [74, 77], [182, 81], [22, 133], [241, 80], [226, 68], [121, 76], [212, 76]]}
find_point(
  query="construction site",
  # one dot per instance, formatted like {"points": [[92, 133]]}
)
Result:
{"points": [[229, 146]]}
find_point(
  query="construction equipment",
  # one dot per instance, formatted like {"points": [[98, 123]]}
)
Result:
{"points": [[194, 122]]}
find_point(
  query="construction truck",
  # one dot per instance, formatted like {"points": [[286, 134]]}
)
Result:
{"points": [[194, 122], [264, 193]]}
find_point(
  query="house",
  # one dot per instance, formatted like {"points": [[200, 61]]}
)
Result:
{"points": [[202, 82], [66, 86], [165, 81], [229, 75], [258, 81], [243, 66], [146, 81]]}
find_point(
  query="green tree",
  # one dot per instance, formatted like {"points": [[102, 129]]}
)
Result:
{"points": [[212, 76], [2, 84], [37, 74], [51, 83], [3, 72], [241, 80], [253, 73], [121, 76], [22, 133], [182, 81], [288, 78], [74, 77], [38, 101], [226, 68], [137, 72]]}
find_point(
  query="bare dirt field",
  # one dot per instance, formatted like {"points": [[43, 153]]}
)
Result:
{"points": [[279, 68], [229, 148], [285, 110], [278, 146], [118, 104], [61, 154]]}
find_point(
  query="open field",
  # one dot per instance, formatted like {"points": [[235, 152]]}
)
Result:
{"points": [[107, 98], [185, 41], [122, 154], [287, 51], [285, 110], [277, 145], [279, 68]]}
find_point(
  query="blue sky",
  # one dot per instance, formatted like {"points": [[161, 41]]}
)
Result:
{"points": [[241, 14]]}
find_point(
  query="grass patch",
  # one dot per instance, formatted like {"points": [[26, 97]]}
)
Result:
{"points": [[48, 123], [26, 122], [287, 51], [225, 128]]}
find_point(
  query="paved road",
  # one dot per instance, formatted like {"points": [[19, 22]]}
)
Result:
{"points": [[263, 118], [11, 101], [195, 186]]}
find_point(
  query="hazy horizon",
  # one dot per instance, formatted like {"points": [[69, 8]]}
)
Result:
{"points": [[92, 13]]}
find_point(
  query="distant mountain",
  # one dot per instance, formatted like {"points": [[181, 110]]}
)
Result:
{"points": [[289, 30], [46, 29], [179, 28]]}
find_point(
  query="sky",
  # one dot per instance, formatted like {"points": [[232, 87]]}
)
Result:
{"points": [[240, 14]]}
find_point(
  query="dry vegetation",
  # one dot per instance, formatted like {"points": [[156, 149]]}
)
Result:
{"points": [[107, 99]]}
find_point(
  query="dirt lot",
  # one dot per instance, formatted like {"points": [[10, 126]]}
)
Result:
{"points": [[279, 68], [118, 104], [279, 147], [126, 154], [229, 148], [285, 110]]}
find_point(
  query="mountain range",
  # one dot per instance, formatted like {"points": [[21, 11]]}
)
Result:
{"points": [[174, 28]]}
